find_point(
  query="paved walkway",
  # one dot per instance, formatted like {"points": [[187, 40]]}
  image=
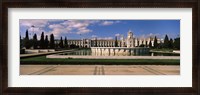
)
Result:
{"points": [[174, 52], [46, 53], [99, 70], [113, 57]]}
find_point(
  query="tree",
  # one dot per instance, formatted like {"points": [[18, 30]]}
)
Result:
{"points": [[26, 41], [72, 46], [27, 37], [61, 43], [155, 43], [21, 43], [116, 43], [166, 42], [146, 43], [42, 40], [160, 45], [52, 43], [177, 43], [170, 43], [35, 42], [46, 42], [66, 42], [56, 45], [150, 44], [142, 45]]}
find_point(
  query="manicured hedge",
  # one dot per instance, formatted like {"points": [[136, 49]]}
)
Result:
{"points": [[43, 60]]}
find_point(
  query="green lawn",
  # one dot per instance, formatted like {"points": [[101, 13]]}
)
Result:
{"points": [[44, 60]]}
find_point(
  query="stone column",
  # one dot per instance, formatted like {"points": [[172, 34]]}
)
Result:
{"points": [[100, 51], [141, 51], [106, 52], [116, 51], [103, 51], [96, 53], [132, 51], [137, 51], [127, 52], [152, 54], [109, 51], [112, 52]]}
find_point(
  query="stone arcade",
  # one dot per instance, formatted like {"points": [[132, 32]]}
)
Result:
{"points": [[127, 48], [130, 41]]}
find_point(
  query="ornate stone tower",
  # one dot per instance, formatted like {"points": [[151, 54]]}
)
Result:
{"points": [[123, 43], [130, 39], [136, 42]]}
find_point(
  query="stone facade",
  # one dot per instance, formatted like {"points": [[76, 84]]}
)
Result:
{"points": [[118, 51], [129, 42]]}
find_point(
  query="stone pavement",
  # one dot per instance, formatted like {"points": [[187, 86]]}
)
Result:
{"points": [[99, 70]]}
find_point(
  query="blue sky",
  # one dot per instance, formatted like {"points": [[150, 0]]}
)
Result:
{"points": [[102, 29]]}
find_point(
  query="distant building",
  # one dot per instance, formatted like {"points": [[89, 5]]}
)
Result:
{"points": [[128, 42]]}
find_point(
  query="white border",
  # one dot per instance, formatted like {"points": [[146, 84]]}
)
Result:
{"points": [[182, 80]]}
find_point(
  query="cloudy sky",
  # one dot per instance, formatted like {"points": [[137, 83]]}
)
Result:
{"points": [[102, 29]]}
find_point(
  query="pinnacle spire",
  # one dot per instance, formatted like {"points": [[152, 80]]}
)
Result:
{"points": [[129, 30]]}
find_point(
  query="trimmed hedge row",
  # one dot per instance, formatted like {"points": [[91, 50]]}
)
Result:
{"points": [[97, 63]]}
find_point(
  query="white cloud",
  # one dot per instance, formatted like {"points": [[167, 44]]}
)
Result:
{"points": [[36, 22], [55, 26], [117, 34], [70, 26], [106, 23], [83, 31], [150, 35], [36, 30], [118, 21], [80, 26], [58, 32], [62, 27], [93, 36], [38, 26]]}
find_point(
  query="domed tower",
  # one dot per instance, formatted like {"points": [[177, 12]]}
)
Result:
{"points": [[130, 39]]}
